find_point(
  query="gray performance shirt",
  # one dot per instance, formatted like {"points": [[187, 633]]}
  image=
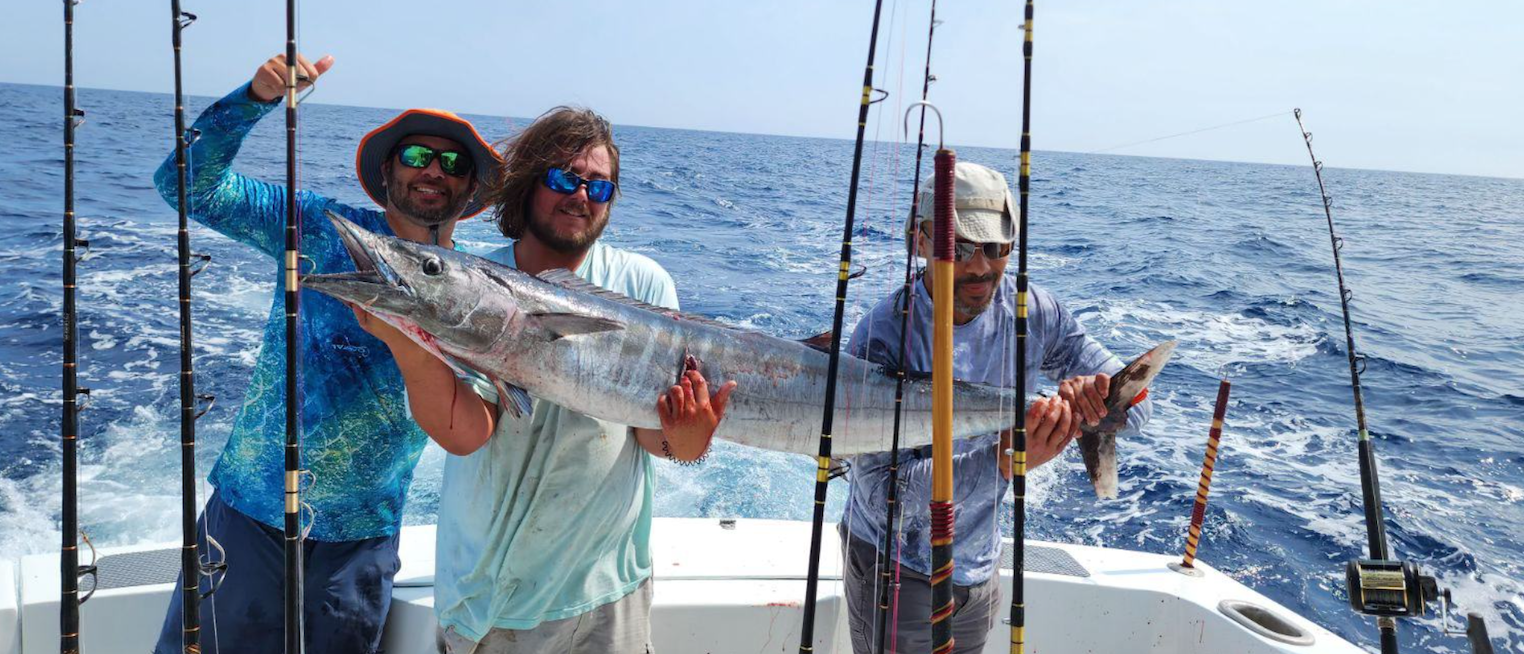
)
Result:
{"points": [[983, 352]]}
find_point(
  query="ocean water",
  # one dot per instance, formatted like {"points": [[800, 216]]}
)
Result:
{"points": [[1230, 259]]}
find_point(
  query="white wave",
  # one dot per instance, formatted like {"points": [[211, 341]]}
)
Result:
{"points": [[244, 297], [1485, 593], [1208, 341], [27, 524]]}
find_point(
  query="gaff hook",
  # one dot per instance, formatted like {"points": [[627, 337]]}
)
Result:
{"points": [[934, 110]]}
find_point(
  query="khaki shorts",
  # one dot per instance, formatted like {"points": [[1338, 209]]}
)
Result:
{"points": [[622, 627]]}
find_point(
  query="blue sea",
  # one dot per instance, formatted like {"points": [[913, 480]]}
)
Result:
{"points": [[1230, 259]]}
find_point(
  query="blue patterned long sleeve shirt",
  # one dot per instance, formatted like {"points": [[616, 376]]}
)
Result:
{"points": [[357, 438], [1057, 347]]}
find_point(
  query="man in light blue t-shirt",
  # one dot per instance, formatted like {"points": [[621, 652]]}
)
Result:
{"points": [[545, 520]]}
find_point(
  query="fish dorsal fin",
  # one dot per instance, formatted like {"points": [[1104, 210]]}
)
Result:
{"points": [[568, 279], [821, 341]]}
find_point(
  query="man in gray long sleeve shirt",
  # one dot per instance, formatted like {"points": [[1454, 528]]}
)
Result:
{"points": [[984, 335]]}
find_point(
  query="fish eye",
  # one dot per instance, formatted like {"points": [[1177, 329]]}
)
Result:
{"points": [[433, 266]]}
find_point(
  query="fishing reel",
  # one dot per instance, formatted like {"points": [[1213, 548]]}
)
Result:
{"points": [[1398, 589], [1389, 589]]}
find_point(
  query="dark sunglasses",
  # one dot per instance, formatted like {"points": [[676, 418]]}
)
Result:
{"points": [[457, 164], [566, 183], [965, 250]]}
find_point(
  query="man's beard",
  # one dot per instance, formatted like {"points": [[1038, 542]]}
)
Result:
{"points": [[574, 244], [397, 193], [969, 309]]}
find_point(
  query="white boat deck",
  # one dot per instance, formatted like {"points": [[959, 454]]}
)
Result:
{"points": [[737, 586]]}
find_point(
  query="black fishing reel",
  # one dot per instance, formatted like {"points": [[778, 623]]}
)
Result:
{"points": [[1397, 589], [1389, 589]]}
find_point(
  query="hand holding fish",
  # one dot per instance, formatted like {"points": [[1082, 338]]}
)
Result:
{"points": [[1051, 425], [375, 326], [689, 416], [1086, 395], [445, 407]]}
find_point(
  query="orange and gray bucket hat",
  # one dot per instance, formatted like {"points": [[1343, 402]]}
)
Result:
{"points": [[379, 144]]}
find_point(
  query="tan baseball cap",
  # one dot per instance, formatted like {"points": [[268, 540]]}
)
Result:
{"points": [[984, 210]]}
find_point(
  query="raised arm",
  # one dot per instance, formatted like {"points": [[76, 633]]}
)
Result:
{"points": [[247, 210]]}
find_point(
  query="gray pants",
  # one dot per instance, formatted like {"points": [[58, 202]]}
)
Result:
{"points": [[973, 615], [622, 627]]}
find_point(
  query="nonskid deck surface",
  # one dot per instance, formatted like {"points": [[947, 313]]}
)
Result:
{"points": [[734, 585]]}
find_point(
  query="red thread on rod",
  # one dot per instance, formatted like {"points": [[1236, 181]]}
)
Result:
{"points": [[943, 239]]}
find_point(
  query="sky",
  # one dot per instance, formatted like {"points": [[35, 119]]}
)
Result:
{"points": [[1385, 85]]}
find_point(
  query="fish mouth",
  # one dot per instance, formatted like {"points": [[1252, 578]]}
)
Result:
{"points": [[372, 280]]}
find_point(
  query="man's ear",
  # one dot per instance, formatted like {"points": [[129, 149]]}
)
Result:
{"points": [[386, 171]]}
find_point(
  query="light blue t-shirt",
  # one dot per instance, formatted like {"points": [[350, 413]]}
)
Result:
{"points": [[983, 352], [551, 518]]}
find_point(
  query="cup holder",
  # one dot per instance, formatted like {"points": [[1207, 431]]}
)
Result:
{"points": [[1265, 622]]}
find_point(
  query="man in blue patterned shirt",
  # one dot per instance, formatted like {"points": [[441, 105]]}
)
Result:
{"points": [[984, 333], [424, 169]]}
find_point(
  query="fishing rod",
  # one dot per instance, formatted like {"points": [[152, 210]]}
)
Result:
{"points": [[70, 570], [1378, 586], [942, 519], [192, 566], [1018, 617], [823, 463], [886, 558], [293, 458]]}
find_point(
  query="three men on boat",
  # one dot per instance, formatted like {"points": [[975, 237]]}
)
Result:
{"points": [[426, 169], [984, 333], [566, 564]]}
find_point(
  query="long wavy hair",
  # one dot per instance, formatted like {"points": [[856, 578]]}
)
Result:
{"points": [[553, 140]]}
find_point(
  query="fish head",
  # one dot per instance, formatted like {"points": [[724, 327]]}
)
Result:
{"points": [[446, 300]]}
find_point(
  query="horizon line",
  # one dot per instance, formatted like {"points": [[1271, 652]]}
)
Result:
{"points": [[836, 138]]}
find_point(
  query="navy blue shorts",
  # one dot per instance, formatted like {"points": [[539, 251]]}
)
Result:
{"points": [[347, 591]]}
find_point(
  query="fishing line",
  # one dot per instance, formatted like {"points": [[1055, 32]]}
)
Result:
{"points": [[1188, 133], [887, 585], [873, 194], [823, 461], [885, 204]]}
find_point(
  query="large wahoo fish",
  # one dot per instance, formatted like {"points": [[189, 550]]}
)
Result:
{"points": [[566, 341]]}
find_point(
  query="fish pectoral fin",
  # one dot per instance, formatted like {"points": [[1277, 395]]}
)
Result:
{"points": [[572, 324], [456, 365], [513, 399]]}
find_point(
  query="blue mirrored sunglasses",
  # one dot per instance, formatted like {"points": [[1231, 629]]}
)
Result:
{"points": [[564, 182]]}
